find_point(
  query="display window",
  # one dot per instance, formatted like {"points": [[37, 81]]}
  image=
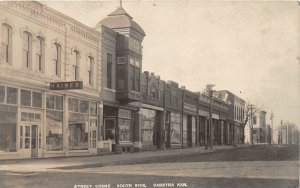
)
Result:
{"points": [[8, 126], [175, 129]]}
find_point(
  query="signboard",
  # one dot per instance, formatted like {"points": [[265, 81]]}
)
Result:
{"points": [[66, 85]]}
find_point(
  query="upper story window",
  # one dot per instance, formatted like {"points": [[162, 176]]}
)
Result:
{"points": [[27, 49], [76, 66], [57, 59], [40, 53], [6, 36], [109, 71], [154, 92], [254, 120], [135, 74], [91, 70]]}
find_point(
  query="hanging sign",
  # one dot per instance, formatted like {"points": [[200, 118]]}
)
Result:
{"points": [[66, 85]]}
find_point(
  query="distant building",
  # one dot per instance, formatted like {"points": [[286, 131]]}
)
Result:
{"points": [[288, 134], [236, 114]]}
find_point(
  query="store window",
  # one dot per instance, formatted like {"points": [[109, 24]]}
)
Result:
{"points": [[8, 124], [12, 95], [109, 129], [54, 130], [54, 122], [78, 131], [93, 108], [185, 130], [6, 41], [124, 125], [25, 98], [193, 130], [31, 99], [124, 130], [148, 126], [175, 129], [54, 102]]}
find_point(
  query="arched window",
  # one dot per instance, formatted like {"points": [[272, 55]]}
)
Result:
{"points": [[154, 92], [91, 70], [57, 59], [27, 49], [6, 43], [40, 53], [76, 66]]}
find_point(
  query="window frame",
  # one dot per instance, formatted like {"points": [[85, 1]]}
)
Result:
{"points": [[109, 71], [57, 59], [8, 44], [40, 53], [27, 49]]}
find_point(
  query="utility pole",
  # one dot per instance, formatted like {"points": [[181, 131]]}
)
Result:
{"points": [[271, 127], [251, 123], [210, 93]]}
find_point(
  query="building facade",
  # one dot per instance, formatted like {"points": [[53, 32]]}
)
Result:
{"points": [[38, 46], [118, 107]]}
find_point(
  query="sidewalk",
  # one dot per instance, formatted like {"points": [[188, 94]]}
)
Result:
{"points": [[44, 164]]}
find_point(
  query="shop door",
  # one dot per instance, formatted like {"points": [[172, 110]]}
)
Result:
{"points": [[30, 140]]}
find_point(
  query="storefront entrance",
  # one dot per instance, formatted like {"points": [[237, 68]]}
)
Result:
{"points": [[30, 134], [30, 140]]}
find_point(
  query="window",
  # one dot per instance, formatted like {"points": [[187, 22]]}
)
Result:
{"points": [[175, 129], [109, 71], [32, 99], [2, 94], [254, 120], [6, 36], [76, 66], [8, 125], [91, 70], [12, 95], [57, 59], [40, 53], [135, 74], [54, 130], [27, 49], [154, 92]]}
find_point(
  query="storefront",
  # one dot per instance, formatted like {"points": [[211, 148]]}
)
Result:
{"points": [[36, 123], [119, 127], [189, 127]]}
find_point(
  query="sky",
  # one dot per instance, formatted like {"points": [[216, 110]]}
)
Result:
{"points": [[250, 48]]}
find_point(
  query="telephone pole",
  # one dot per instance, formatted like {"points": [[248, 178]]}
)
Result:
{"points": [[251, 123], [272, 115]]}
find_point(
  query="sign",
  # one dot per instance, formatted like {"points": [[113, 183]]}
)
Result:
{"points": [[65, 85]]}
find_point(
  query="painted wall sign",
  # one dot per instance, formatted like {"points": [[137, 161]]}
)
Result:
{"points": [[66, 85]]}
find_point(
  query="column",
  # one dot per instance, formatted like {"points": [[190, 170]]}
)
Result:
{"points": [[136, 130], [161, 118], [65, 126]]}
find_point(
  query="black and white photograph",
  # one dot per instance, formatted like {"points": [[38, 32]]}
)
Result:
{"points": [[149, 94]]}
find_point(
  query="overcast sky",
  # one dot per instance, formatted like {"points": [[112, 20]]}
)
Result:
{"points": [[248, 48]]}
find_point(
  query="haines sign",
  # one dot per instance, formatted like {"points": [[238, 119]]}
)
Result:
{"points": [[65, 85]]}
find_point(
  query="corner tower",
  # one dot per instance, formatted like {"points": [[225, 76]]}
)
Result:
{"points": [[128, 54]]}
